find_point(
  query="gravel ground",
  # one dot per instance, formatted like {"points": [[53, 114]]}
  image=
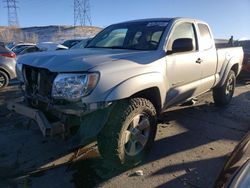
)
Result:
{"points": [[190, 149]]}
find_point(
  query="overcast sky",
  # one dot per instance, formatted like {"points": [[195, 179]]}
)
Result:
{"points": [[226, 17]]}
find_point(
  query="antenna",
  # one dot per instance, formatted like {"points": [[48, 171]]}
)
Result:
{"points": [[12, 13], [82, 13]]}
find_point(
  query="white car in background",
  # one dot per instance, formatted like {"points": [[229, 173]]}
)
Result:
{"points": [[51, 46], [21, 46], [82, 44]]}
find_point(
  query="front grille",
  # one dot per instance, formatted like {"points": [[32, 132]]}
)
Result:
{"points": [[38, 81]]}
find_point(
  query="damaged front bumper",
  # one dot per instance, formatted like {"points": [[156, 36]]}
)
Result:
{"points": [[76, 108], [59, 127], [45, 126]]}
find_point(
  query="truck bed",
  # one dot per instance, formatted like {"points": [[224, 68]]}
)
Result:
{"points": [[229, 54]]}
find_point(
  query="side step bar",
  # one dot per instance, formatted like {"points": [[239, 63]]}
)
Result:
{"points": [[45, 126]]}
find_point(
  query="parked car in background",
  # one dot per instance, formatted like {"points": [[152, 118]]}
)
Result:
{"points": [[30, 49], [10, 45], [51, 46], [81, 44], [245, 72], [21, 46], [126, 77], [223, 43], [236, 171], [7, 66], [71, 42]]}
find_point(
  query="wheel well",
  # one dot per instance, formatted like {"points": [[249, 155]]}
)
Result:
{"points": [[1, 69], [235, 68], [151, 94]]}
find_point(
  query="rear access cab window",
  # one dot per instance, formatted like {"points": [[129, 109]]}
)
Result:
{"points": [[206, 42]]}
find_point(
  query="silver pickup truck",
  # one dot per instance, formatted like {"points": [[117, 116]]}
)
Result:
{"points": [[113, 90]]}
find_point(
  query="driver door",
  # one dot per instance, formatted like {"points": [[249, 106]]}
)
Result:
{"points": [[183, 68]]}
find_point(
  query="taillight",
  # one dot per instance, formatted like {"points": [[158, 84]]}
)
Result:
{"points": [[10, 55]]}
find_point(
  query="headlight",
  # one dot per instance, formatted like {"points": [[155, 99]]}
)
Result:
{"points": [[74, 86]]}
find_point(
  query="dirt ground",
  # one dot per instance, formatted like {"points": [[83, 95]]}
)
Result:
{"points": [[190, 149]]}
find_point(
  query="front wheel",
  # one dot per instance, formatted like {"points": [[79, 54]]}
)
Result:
{"points": [[223, 95], [129, 132]]}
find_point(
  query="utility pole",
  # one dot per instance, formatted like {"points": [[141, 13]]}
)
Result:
{"points": [[11, 5], [82, 13]]}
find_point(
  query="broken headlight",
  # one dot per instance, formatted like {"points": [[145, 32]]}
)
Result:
{"points": [[73, 87]]}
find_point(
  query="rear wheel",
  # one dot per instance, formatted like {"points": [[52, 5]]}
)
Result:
{"points": [[223, 95], [4, 80], [129, 132]]}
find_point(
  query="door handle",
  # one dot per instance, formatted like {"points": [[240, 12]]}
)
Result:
{"points": [[199, 61]]}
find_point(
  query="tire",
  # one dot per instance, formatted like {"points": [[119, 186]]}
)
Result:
{"points": [[224, 94], [129, 132], [4, 80]]}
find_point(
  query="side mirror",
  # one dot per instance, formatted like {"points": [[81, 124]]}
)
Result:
{"points": [[183, 45]]}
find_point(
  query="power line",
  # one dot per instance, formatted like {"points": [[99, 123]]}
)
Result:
{"points": [[82, 15], [11, 5]]}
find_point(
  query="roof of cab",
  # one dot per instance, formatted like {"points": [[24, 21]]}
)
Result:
{"points": [[161, 20]]}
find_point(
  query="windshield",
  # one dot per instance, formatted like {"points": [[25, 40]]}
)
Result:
{"points": [[133, 36], [10, 45], [81, 44], [70, 43], [20, 48]]}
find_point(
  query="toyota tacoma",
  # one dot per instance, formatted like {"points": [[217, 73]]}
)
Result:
{"points": [[113, 90]]}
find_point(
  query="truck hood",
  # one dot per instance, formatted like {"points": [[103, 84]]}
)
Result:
{"points": [[84, 59]]}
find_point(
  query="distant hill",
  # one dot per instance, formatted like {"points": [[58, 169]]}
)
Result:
{"points": [[54, 33], [60, 33]]}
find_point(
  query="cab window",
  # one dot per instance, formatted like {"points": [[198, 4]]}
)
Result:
{"points": [[183, 30], [206, 41]]}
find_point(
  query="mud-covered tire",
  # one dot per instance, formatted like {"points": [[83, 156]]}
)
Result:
{"points": [[129, 120], [223, 95], [4, 80]]}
